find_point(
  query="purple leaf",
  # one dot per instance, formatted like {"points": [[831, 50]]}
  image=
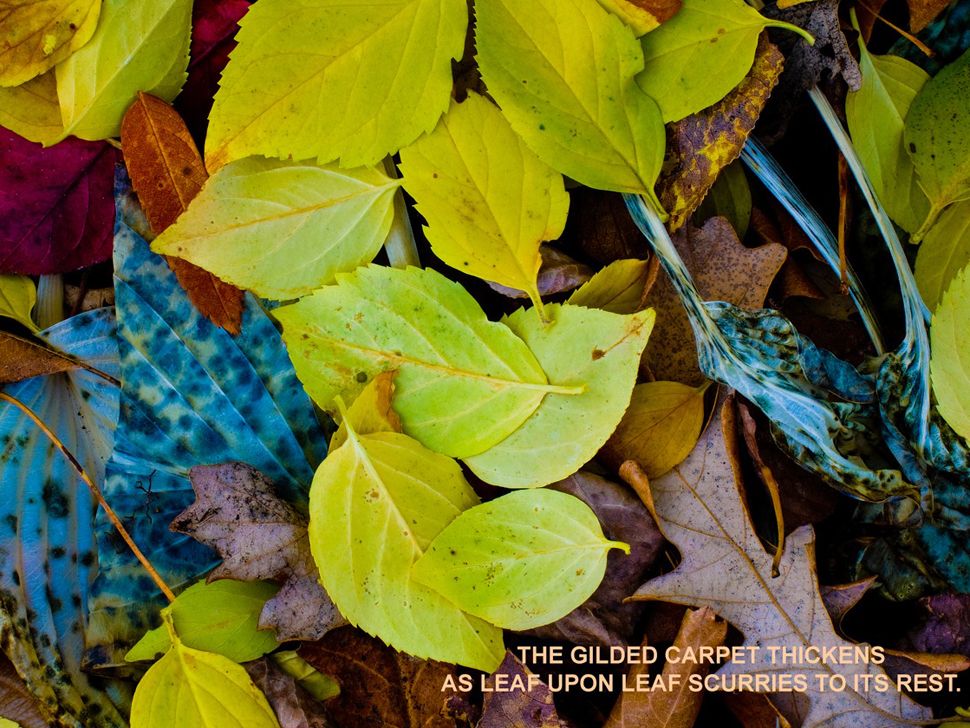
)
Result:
{"points": [[945, 625], [56, 205]]}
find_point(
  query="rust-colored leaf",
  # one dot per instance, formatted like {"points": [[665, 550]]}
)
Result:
{"points": [[724, 270], [924, 12], [379, 686], [16, 701], [677, 708], [701, 145], [22, 359], [167, 172]]}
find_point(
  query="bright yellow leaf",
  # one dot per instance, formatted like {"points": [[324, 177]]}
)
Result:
{"points": [[32, 111], [489, 201]]}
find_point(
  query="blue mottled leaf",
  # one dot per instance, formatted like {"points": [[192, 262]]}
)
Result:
{"points": [[47, 549], [192, 394]]}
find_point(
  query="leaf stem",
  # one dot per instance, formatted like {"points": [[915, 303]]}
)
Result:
{"points": [[808, 37], [96, 492]]}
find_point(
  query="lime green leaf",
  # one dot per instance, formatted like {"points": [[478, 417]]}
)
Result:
{"points": [[18, 296], [520, 561], [561, 70], [945, 251], [617, 288], [660, 427], [489, 201], [32, 111], [221, 617], [189, 687], [283, 229], [371, 412], [464, 383], [582, 347], [698, 56], [937, 136], [376, 503], [350, 80], [7, 723], [876, 114], [36, 36], [950, 354], [138, 46]]}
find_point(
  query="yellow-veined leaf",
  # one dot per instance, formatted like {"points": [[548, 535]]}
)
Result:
{"points": [[950, 354], [376, 504], [371, 412], [489, 201], [464, 383], [561, 70], [31, 110], [36, 36], [596, 351], [696, 58], [138, 46], [18, 296], [944, 252], [283, 229], [876, 114], [520, 561], [200, 689], [335, 79]]}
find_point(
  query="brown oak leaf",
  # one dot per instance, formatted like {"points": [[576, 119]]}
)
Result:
{"points": [[259, 536], [167, 172], [531, 708]]}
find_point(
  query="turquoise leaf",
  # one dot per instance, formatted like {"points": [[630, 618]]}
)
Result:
{"points": [[192, 394], [47, 550]]}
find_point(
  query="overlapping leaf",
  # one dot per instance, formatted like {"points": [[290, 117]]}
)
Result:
{"points": [[192, 394], [31, 110], [585, 119], [62, 219], [36, 36], [948, 358], [353, 82], [463, 384], [944, 252], [283, 229], [643, 15], [620, 287], [520, 561], [377, 503], [589, 350], [489, 201], [18, 296], [137, 47], [50, 554]]}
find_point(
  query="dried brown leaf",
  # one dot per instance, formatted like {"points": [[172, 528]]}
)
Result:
{"points": [[167, 172], [532, 708], [606, 232], [841, 598], [22, 359], [558, 274], [724, 270], [924, 12], [703, 144], [379, 687], [294, 707], [17, 703], [679, 707], [725, 567], [259, 536]]}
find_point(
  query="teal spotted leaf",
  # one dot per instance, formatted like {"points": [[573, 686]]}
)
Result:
{"points": [[47, 547], [192, 394]]}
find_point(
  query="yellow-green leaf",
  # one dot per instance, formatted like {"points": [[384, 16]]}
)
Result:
{"points": [[696, 58], [189, 687], [18, 296], [220, 617], [937, 136], [36, 36], [560, 70], [520, 561], [464, 383], [138, 46], [945, 251], [283, 229], [660, 427], [489, 201], [642, 15], [335, 79], [7, 723], [585, 348], [31, 110], [876, 114], [376, 504], [950, 354], [620, 287], [371, 412]]}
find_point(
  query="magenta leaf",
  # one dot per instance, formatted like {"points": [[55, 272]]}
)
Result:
{"points": [[214, 26], [56, 205]]}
